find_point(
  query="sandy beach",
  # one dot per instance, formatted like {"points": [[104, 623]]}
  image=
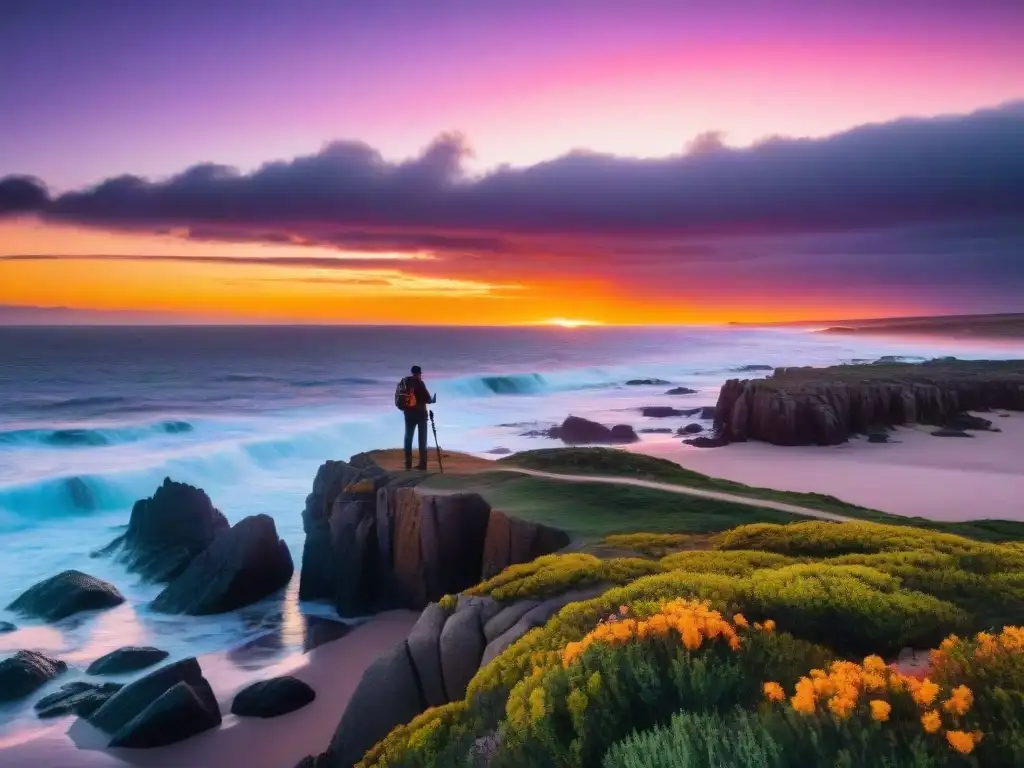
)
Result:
{"points": [[333, 670], [916, 475]]}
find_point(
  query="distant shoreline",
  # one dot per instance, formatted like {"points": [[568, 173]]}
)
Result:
{"points": [[995, 326]]}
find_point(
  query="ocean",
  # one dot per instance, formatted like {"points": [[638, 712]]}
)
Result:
{"points": [[92, 419]]}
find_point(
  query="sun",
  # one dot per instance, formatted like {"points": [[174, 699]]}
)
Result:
{"points": [[565, 322]]}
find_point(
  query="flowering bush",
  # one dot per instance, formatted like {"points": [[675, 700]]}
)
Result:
{"points": [[635, 671], [654, 544], [553, 574], [734, 562], [432, 738]]}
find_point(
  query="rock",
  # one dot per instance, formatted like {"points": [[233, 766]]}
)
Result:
{"points": [[943, 432], [127, 659], [499, 451], [657, 431], [878, 437], [681, 391], [487, 607], [179, 713], [6, 626], [708, 412], [691, 429], [317, 580], [353, 530], [964, 421], [746, 368], [453, 532], [507, 617], [272, 698], [78, 698], [66, 594], [130, 701], [165, 532], [660, 411], [510, 541], [243, 565], [315, 761], [387, 695], [647, 383], [425, 650], [462, 646], [26, 672], [578, 431], [536, 616], [715, 441]]}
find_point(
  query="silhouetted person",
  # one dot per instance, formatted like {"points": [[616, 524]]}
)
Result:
{"points": [[412, 397]]}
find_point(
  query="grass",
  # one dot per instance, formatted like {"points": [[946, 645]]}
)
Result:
{"points": [[591, 511], [617, 463]]}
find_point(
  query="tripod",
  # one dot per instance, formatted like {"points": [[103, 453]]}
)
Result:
{"points": [[433, 428]]}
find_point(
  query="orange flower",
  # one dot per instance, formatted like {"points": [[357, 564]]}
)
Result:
{"points": [[841, 706], [931, 720], [623, 610], [769, 626], [926, 692], [960, 701], [960, 741], [740, 621], [880, 710], [774, 692]]}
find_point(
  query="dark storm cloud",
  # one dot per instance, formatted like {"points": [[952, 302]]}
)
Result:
{"points": [[22, 194], [890, 174]]}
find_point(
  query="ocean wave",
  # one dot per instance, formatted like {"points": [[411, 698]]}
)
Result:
{"points": [[92, 437], [78, 402], [63, 497], [344, 380], [531, 383]]}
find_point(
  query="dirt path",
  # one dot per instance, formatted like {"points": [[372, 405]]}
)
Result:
{"points": [[681, 489]]}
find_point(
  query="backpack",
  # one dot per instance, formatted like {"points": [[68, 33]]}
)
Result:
{"points": [[404, 397]]}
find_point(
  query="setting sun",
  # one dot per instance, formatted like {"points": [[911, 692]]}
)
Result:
{"points": [[564, 322]]}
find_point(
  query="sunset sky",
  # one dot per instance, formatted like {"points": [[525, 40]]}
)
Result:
{"points": [[481, 162]]}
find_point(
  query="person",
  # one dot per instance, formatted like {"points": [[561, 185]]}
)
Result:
{"points": [[416, 416]]}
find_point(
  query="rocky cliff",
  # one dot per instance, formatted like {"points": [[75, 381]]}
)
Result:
{"points": [[825, 406], [374, 540]]}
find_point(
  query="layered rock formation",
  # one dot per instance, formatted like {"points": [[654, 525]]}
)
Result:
{"points": [[825, 406], [375, 541]]}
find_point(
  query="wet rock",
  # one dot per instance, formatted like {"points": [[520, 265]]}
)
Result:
{"points": [[681, 391], [66, 594], [623, 434], [578, 431], [691, 429], [704, 441], [165, 532], [965, 421], [130, 701], [944, 432], [878, 437], [656, 431], [78, 698], [462, 646], [243, 565], [751, 368], [26, 672], [387, 695], [708, 412], [179, 713], [647, 383], [272, 698], [125, 660], [660, 412]]}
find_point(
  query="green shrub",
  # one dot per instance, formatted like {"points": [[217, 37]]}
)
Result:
{"points": [[438, 736], [733, 562], [850, 608], [554, 574], [822, 539]]}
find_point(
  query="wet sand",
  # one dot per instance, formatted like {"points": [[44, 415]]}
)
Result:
{"points": [[333, 670], [940, 478]]}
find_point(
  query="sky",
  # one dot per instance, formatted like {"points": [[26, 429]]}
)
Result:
{"points": [[477, 163]]}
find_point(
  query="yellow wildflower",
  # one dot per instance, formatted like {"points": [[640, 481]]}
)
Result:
{"points": [[774, 692], [874, 681], [931, 720], [874, 664], [594, 684], [880, 710], [960, 741], [537, 710]]}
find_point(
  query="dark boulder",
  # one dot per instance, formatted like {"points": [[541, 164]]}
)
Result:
{"points": [[945, 432], [272, 698], [352, 526], [681, 391], [462, 646], [179, 713], [578, 431], [243, 565], [660, 411], [316, 761], [135, 697], [704, 441], [424, 648], [878, 437], [388, 694], [127, 659], [66, 594], [691, 429], [6, 626], [507, 617], [964, 421], [78, 698], [657, 431], [707, 412], [647, 383], [165, 532], [26, 672], [746, 368]]}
